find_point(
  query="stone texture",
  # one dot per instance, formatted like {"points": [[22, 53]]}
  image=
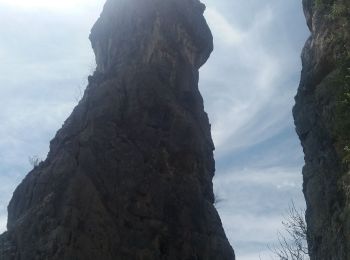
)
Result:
{"points": [[322, 116], [129, 175]]}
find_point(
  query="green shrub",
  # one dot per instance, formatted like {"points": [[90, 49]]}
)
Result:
{"points": [[342, 118], [319, 4], [338, 10]]}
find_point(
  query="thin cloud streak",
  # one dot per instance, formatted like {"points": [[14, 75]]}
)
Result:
{"points": [[254, 107], [61, 6], [248, 87], [253, 203]]}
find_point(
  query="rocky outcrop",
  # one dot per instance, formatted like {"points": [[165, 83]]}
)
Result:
{"points": [[129, 175], [322, 118]]}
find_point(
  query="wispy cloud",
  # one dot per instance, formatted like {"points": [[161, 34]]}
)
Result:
{"points": [[49, 5], [253, 204], [227, 34], [248, 87]]}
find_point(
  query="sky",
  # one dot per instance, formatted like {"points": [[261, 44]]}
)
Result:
{"points": [[248, 86]]}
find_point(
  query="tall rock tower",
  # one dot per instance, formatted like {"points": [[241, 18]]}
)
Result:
{"points": [[322, 118], [129, 175]]}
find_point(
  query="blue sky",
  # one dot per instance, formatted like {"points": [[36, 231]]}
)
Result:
{"points": [[248, 86]]}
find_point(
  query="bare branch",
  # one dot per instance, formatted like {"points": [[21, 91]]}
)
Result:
{"points": [[34, 161], [292, 244]]}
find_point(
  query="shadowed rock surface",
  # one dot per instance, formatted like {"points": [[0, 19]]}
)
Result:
{"points": [[129, 175], [322, 118]]}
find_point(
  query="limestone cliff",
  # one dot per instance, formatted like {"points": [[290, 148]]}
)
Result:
{"points": [[322, 118], [129, 175]]}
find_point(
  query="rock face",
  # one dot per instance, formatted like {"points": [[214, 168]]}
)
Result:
{"points": [[129, 175], [322, 118]]}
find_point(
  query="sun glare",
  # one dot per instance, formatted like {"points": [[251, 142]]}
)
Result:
{"points": [[54, 5]]}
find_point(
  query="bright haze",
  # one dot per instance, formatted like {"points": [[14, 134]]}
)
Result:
{"points": [[248, 86]]}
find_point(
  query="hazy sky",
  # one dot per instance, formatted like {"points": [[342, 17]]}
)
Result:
{"points": [[248, 86]]}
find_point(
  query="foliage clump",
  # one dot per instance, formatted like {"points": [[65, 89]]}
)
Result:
{"points": [[338, 9], [319, 4], [342, 121], [332, 9]]}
